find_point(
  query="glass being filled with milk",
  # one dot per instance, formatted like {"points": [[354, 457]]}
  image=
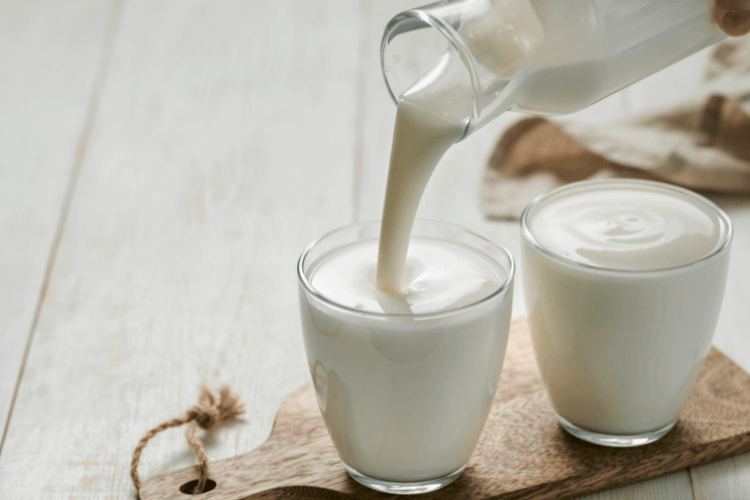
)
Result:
{"points": [[405, 381], [623, 283]]}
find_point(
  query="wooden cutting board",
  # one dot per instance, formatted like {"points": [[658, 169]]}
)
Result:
{"points": [[523, 452]]}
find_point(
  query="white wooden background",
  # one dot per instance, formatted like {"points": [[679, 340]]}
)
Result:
{"points": [[162, 165]]}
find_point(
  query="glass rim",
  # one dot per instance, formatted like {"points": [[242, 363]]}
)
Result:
{"points": [[504, 285], [721, 216]]}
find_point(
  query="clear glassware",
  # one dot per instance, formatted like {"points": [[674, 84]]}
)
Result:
{"points": [[618, 349], [405, 396], [543, 56]]}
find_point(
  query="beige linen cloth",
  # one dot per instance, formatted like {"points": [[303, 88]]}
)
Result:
{"points": [[702, 144]]}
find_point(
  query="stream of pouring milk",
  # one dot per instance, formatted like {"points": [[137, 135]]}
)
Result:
{"points": [[432, 115], [561, 58], [406, 399]]}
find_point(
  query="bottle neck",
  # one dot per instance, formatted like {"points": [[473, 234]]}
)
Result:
{"points": [[480, 45]]}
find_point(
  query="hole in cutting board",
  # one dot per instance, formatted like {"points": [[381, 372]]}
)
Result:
{"points": [[188, 487]]}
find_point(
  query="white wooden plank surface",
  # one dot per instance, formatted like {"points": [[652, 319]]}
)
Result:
{"points": [[725, 480], [49, 54], [229, 135], [671, 487], [222, 146]]}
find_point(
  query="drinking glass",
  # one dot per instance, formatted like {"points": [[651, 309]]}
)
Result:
{"points": [[620, 350], [405, 396]]}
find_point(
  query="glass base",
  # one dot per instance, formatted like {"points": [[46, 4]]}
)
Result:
{"points": [[401, 488], [614, 440]]}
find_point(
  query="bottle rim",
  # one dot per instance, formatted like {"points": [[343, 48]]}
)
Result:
{"points": [[413, 19]]}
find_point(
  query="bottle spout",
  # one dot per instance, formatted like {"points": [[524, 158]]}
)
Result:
{"points": [[485, 40]]}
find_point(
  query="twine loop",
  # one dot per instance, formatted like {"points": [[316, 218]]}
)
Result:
{"points": [[214, 407]]}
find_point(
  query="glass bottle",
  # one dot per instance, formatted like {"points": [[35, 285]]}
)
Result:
{"points": [[542, 56]]}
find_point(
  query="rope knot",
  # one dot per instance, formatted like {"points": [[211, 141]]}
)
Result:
{"points": [[215, 407], [206, 418]]}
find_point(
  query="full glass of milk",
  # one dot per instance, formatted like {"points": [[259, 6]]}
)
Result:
{"points": [[623, 283], [405, 381]]}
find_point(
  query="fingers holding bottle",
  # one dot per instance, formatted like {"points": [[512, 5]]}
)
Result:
{"points": [[733, 16]]}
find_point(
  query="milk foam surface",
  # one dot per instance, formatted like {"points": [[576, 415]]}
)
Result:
{"points": [[438, 276], [627, 228]]}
